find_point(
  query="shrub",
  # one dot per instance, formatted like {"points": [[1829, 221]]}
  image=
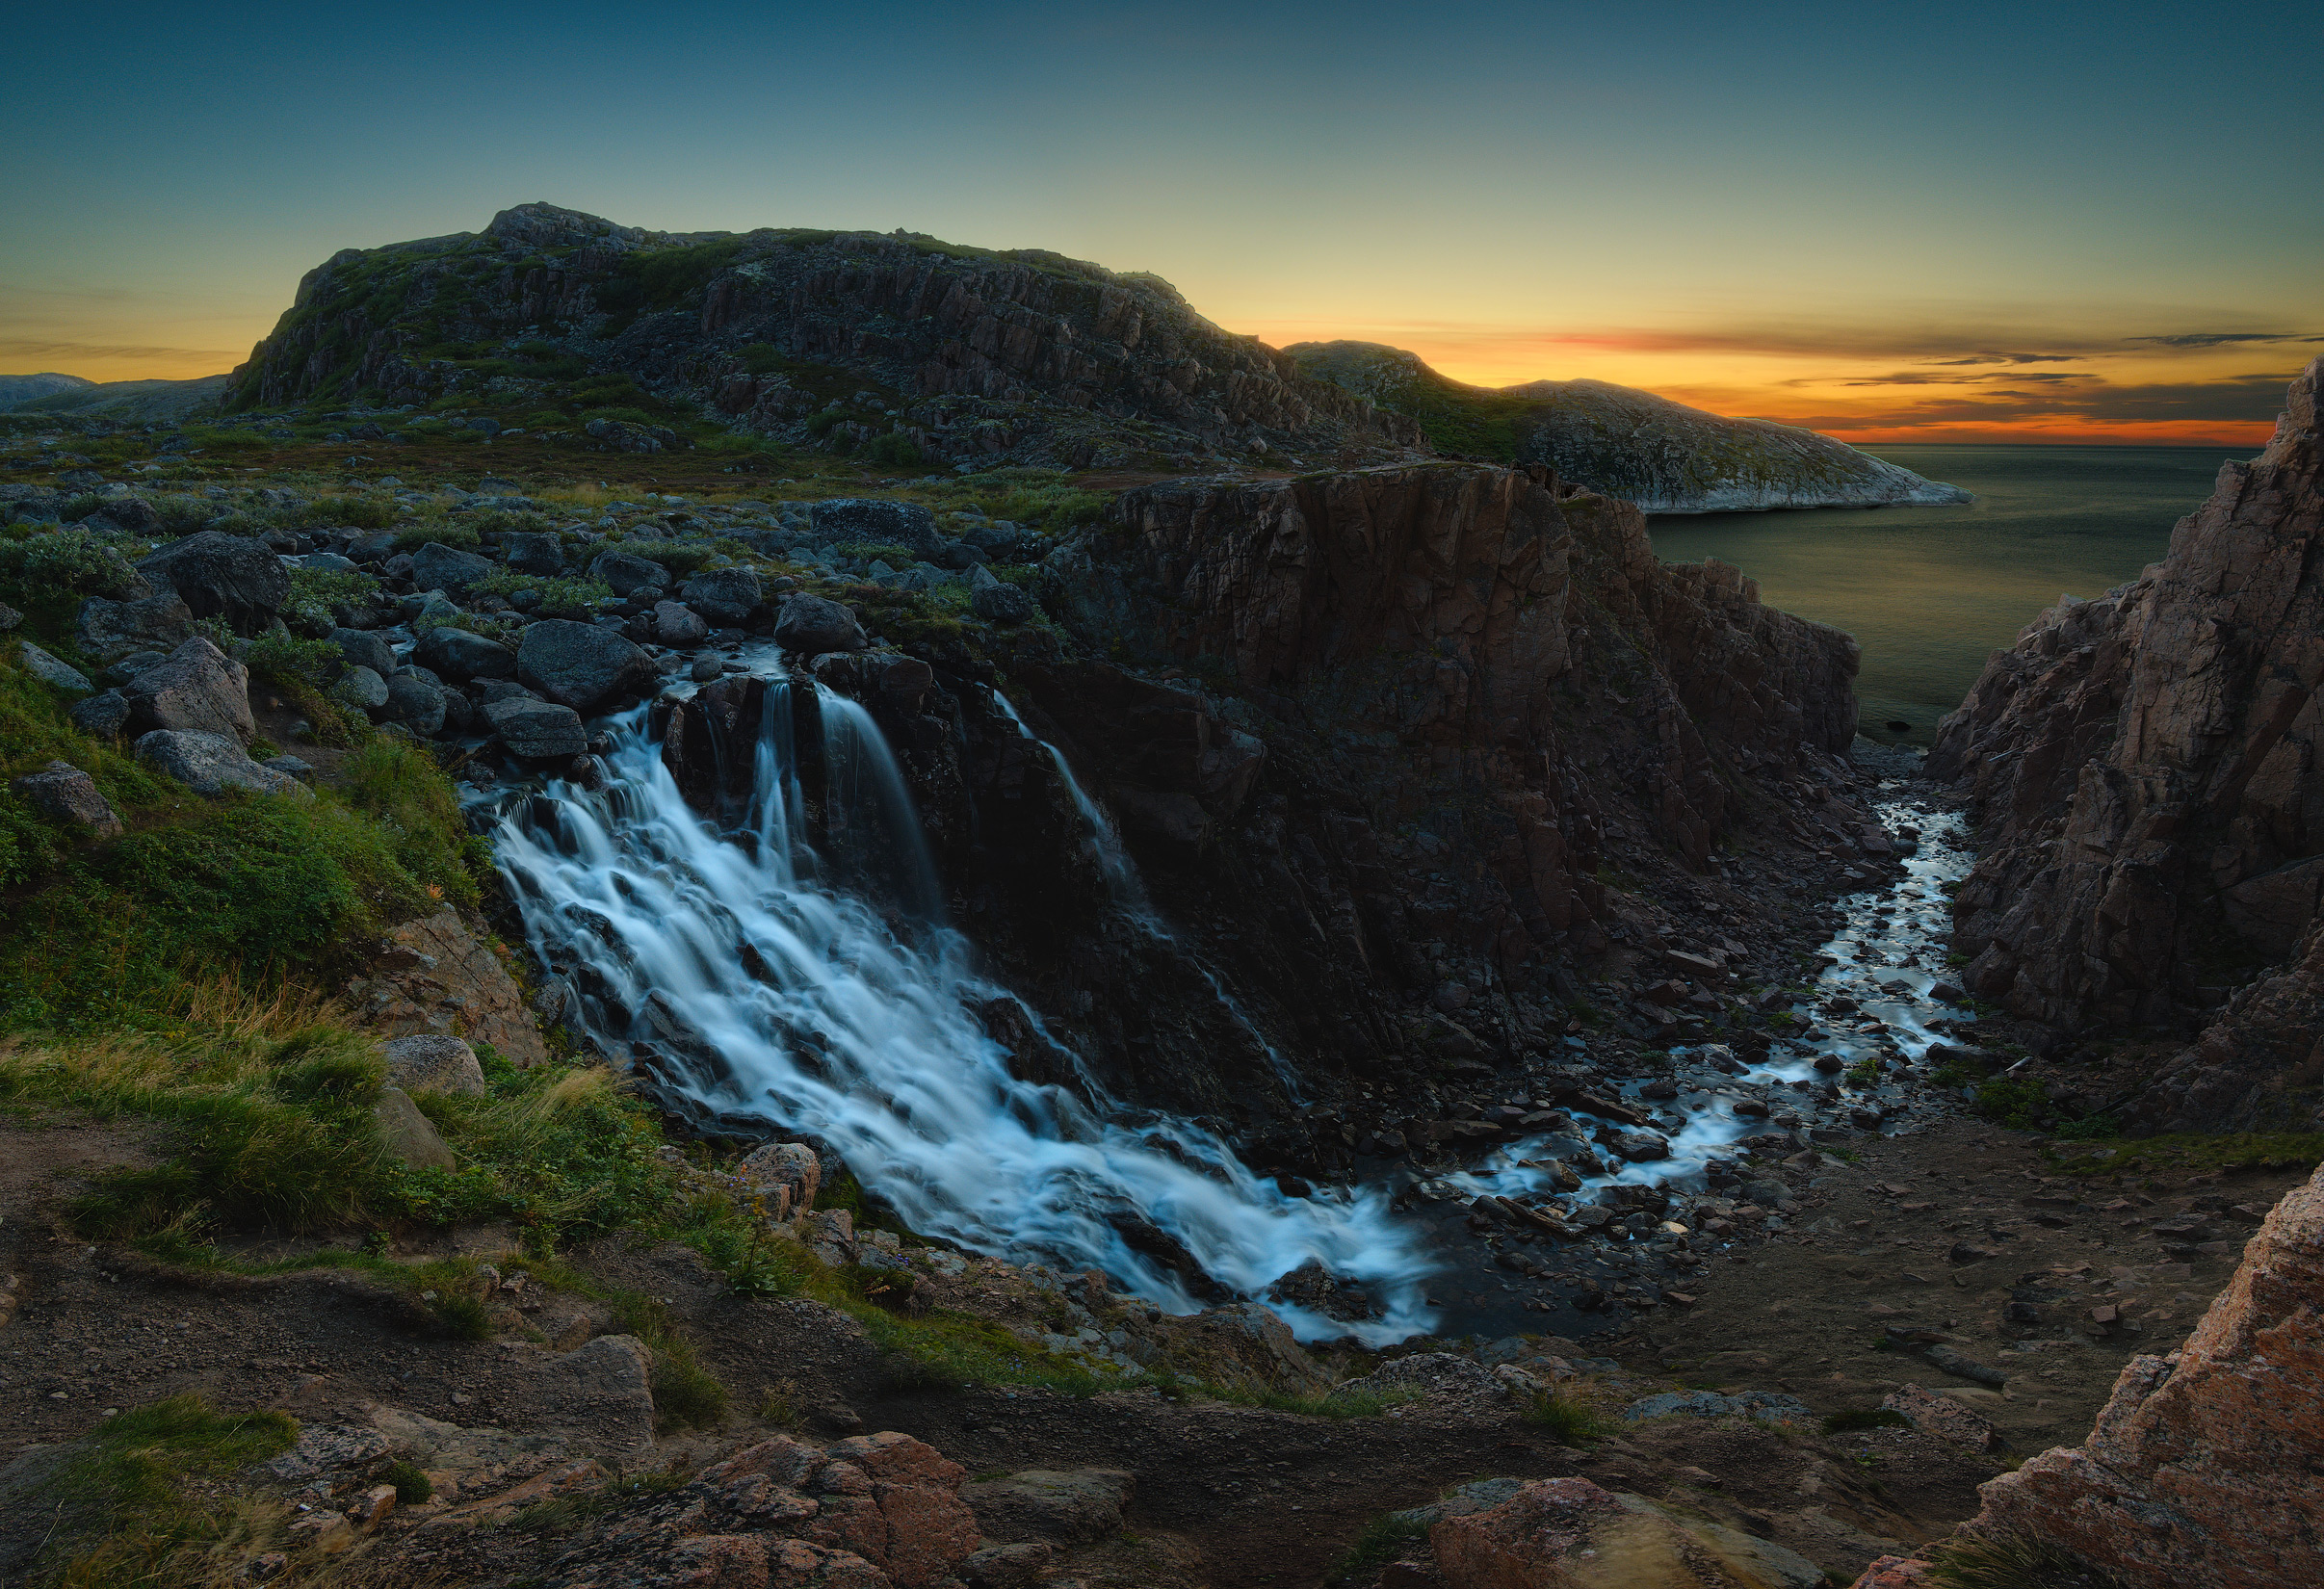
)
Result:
{"points": [[686, 1394], [2017, 1105], [680, 558], [352, 512], [467, 537], [413, 1488], [1866, 1418], [1383, 1539], [895, 450], [41, 570]]}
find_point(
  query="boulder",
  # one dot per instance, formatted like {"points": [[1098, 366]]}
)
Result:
{"points": [[63, 793], [725, 596], [360, 689], [210, 763], [131, 516], [417, 704], [50, 671], [677, 624], [626, 574], [812, 625], [1943, 1416], [461, 654], [102, 717], [583, 666], [784, 1176], [362, 649], [436, 566], [876, 521], [217, 575], [109, 630], [536, 731], [407, 1136], [433, 1063], [996, 601], [1059, 1509], [1567, 1533], [540, 555], [199, 688], [2201, 1467], [434, 977]]}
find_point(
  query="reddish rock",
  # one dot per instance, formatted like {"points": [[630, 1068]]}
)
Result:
{"points": [[896, 1503], [435, 977], [1567, 1533], [2202, 1469], [1895, 1572]]}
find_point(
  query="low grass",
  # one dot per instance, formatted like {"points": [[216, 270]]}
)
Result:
{"points": [[2192, 1152], [1865, 1417], [144, 1499], [2014, 1561], [1384, 1540], [1569, 1420]]}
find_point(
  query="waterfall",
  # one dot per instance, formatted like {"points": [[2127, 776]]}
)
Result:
{"points": [[804, 976]]}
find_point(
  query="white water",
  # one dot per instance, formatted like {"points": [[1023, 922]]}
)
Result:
{"points": [[854, 1032], [1894, 934]]}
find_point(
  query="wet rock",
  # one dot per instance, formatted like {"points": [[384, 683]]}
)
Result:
{"points": [[725, 597], [459, 654], [582, 666], [109, 630], [675, 624], [2198, 1470], [199, 688], [417, 704], [436, 566], [364, 648], [64, 794], [433, 1063], [57, 675], [1060, 1508], [812, 625], [210, 763], [538, 731], [221, 576]]}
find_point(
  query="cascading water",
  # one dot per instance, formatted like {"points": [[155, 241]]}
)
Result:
{"points": [[757, 973], [1128, 892]]}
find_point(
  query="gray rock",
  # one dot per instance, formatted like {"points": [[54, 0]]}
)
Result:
{"points": [[1006, 1566], [362, 649], [812, 625], [536, 554], [996, 602], [882, 522], [406, 1135], [134, 664], [199, 688], [290, 766], [677, 624], [209, 764], [461, 654], [725, 596], [52, 672], [705, 669], [102, 717], [114, 628], [484, 691], [360, 689], [63, 793], [627, 574], [9, 617], [430, 1063], [536, 730], [1766, 1406], [217, 575], [581, 665], [326, 563], [436, 566], [417, 704], [1060, 1508]]}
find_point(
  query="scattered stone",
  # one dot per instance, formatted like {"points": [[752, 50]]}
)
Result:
{"points": [[538, 731], [812, 626], [209, 764], [199, 688], [362, 649], [407, 1136], [50, 671], [995, 600], [1968, 1367], [1943, 1417], [677, 624], [64, 794], [539, 553], [359, 690], [1766, 1406]]}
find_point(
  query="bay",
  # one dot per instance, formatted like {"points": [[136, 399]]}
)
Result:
{"points": [[1930, 593]]}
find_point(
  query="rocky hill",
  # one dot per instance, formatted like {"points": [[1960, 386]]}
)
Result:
{"points": [[120, 401], [965, 355], [1664, 455], [2145, 766]]}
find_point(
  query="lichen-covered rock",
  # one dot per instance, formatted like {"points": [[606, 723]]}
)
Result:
{"points": [[64, 794], [725, 596], [537, 730], [111, 630], [433, 1063], [1567, 1533], [785, 1176], [199, 688], [812, 625], [435, 977], [210, 763], [582, 666], [50, 671], [2200, 1468]]}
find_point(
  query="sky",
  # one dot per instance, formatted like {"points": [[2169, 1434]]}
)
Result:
{"points": [[1889, 222]]}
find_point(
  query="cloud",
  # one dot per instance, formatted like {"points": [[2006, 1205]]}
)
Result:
{"points": [[2013, 358], [2221, 339], [2248, 398], [15, 348]]}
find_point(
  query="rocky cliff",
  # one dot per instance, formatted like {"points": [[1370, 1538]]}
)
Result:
{"points": [[968, 353], [2145, 769], [1664, 455]]}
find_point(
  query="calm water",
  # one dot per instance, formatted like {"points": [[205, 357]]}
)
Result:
{"points": [[1931, 591]]}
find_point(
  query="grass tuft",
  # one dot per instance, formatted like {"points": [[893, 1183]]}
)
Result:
{"points": [[1569, 1420]]}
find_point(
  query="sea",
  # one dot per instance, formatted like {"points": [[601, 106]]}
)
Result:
{"points": [[1931, 593]]}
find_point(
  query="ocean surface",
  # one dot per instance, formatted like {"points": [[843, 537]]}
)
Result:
{"points": [[1931, 591]]}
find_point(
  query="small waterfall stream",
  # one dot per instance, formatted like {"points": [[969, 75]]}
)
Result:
{"points": [[813, 982]]}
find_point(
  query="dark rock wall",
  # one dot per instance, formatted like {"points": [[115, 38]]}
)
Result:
{"points": [[2144, 767]]}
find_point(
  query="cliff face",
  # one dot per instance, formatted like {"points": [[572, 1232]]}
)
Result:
{"points": [[970, 354], [2145, 770], [1664, 455]]}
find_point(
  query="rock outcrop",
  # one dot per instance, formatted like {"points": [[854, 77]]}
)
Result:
{"points": [[2144, 767], [2201, 1470], [1664, 455]]}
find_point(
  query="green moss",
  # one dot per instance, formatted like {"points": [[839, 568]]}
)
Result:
{"points": [[2193, 1152]]}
